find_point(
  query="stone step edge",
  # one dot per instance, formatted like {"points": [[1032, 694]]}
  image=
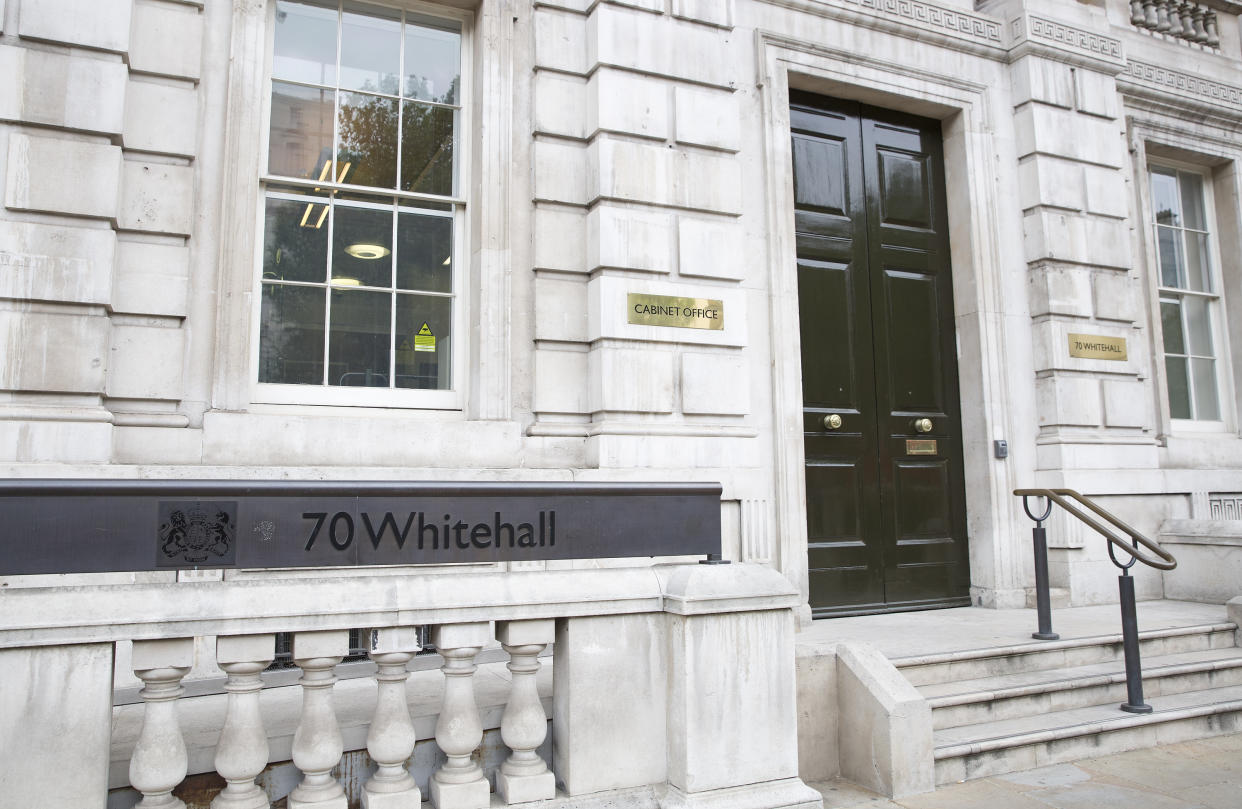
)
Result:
{"points": [[1150, 672], [1084, 729], [1056, 645]]}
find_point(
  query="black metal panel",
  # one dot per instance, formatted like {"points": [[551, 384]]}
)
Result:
{"points": [[79, 526]]}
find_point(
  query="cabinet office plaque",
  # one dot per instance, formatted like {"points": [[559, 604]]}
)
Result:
{"points": [[1097, 347], [669, 310]]}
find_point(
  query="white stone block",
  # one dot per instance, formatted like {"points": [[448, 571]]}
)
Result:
{"points": [[156, 198], [708, 118], [1060, 290], [245, 648], [146, 362], [61, 176], [627, 103], [560, 41], [166, 39], [394, 639], [525, 633], [64, 91], [1107, 192], [1126, 403], [1035, 79], [714, 384], [560, 239], [711, 12], [1096, 93], [162, 653], [56, 263], [818, 717], [674, 452], [625, 238], [646, 5], [608, 312], [1068, 401], [560, 378], [1064, 236], [455, 636], [630, 380], [1045, 180], [1116, 297], [102, 24], [157, 445], [45, 351], [650, 173], [56, 441], [160, 118], [561, 173], [1067, 134], [151, 278], [329, 643], [710, 248], [660, 46], [560, 105], [560, 310], [56, 709]]}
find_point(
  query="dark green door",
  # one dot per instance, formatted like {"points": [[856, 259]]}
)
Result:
{"points": [[885, 494]]}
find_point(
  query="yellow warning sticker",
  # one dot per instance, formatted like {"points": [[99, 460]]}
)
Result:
{"points": [[425, 340]]}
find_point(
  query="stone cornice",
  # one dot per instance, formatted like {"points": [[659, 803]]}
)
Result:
{"points": [[910, 17], [1174, 86], [1053, 39]]}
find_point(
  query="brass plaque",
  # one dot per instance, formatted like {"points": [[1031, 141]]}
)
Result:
{"points": [[921, 446], [1097, 347], [669, 310]]}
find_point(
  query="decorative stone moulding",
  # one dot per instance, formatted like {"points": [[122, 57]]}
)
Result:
{"points": [[1189, 22]]}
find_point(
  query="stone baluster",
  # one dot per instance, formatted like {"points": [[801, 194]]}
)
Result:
{"points": [[1163, 23], [1213, 33], [524, 776], [159, 760], [1152, 20], [459, 783], [241, 753], [317, 743], [1137, 16], [1198, 14], [1179, 16], [391, 738]]}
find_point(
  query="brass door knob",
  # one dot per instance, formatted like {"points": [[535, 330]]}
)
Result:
{"points": [[832, 421], [923, 425]]}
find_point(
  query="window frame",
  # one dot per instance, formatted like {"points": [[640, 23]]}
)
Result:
{"points": [[455, 397]]}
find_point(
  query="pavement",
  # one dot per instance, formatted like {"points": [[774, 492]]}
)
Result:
{"points": [[1202, 774]]}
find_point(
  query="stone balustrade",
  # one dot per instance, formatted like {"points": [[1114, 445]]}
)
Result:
{"points": [[673, 685], [1189, 22]]}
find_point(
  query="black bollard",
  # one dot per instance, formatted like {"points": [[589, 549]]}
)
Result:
{"points": [[1129, 638]]}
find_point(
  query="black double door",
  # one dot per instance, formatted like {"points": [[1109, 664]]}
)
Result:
{"points": [[885, 493]]}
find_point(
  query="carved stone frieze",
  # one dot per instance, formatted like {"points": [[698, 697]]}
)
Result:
{"points": [[1186, 84], [1031, 29]]}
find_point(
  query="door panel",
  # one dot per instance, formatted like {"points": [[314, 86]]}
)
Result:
{"points": [[886, 529]]}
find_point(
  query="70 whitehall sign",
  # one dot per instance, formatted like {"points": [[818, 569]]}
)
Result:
{"points": [[80, 526]]}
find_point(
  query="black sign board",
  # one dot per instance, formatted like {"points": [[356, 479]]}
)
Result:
{"points": [[92, 526]]}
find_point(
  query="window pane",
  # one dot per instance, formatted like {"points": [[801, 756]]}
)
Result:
{"points": [[1198, 262], [362, 247], [424, 328], [1171, 322], [424, 252], [300, 138], [368, 151], [1192, 200], [1206, 405], [426, 149], [432, 59], [291, 335], [1164, 197], [1199, 324], [370, 48], [1172, 271], [1179, 387], [295, 240], [305, 46], [359, 342]]}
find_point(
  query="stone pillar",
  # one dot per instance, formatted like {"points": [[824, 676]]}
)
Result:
{"points": [[241, 753], [524, 776], [317, 743], [159, 761], [459, 783], [391, 738]]}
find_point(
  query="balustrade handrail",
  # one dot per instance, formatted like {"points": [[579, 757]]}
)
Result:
{"points": [[1162, 559]]}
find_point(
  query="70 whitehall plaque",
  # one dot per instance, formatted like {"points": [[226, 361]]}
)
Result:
{"points": [[1097, 347], [670, 310]]}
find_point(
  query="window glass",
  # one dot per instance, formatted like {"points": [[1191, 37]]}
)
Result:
{"points": [[300, 134], [431, 63], [291, 335], [1179, 387], [305, 43], [370, 49]]}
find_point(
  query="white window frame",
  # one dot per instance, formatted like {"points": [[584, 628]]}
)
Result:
{"points": [[453, 398]]}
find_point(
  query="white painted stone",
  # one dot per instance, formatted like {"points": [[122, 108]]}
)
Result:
{"points": [[710, 248], [56, 263], [156, 198], [1116, 296], [1068, 401], [1106, 191], [62, 176], [559, 381], [627, 103], [160, 118], [818, 717], [64, 91], [1096, 93], [715, 384], [673, 452], [1060, 290], [560, 239], [102, 24], [625, 238], [630, 380], [560, 41], [640, 172], [561, 173], [707, 118], [145, 362], [656, 45], [151, 278], [1067, 134], [328, 643], [608, 311], [166, 39], [53, 352], [560, 309], [1126, 403], [1046, 180], [157, 445], [560, 105], [712, 12], [1063, 236], [1047, 82], [522, 633], [56, 706]]}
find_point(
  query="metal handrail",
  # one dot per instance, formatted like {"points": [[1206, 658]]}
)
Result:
{"points": [[1163, 560]]}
